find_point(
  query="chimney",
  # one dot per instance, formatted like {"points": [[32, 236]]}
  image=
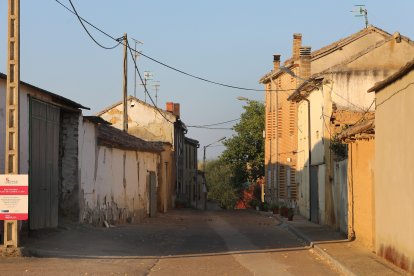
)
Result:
{"points": [[276, 62], [170, 107], [173, 108], [297, 43], [305, 62], [176, 111]]}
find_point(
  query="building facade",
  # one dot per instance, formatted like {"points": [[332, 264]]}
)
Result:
{"points": [[394, 176]]}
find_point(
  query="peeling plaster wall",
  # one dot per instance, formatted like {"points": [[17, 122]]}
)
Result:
{"points": [[394, 174], [144, 122], [113, 181]]}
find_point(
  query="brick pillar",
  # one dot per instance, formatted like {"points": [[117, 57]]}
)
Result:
{"points": [[297, 43], [305, 62]]}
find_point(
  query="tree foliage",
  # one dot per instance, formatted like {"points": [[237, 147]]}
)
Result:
{"points": [[244, 152], [219, 184]]}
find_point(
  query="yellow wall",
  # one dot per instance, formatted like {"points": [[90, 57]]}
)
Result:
{"points": [[394, 173], [361, 156]]}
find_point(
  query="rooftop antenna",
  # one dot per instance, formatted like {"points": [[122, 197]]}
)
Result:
{"points": [[136, 55], [156, 86], [361, 11], [147, 77]]}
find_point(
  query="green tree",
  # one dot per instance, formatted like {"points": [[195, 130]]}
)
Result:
{"points": [[219, 184], [244, 151]]}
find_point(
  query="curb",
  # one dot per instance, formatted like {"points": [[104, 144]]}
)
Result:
{"points": [[337, 264]]}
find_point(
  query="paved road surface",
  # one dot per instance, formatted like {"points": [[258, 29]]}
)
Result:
{"points": [[182, 242]]}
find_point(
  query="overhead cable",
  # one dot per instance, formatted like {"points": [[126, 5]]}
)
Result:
{"points": [[165, 64], [86, 30]]}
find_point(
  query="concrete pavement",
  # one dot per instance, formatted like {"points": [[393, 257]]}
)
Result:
{"points": [[182, 242], [347, 256]]}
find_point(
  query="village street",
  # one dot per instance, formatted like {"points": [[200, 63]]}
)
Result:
{"points": [[182, 242]]}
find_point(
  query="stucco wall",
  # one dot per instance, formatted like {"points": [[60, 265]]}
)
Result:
{"points": [[345, 52], [394, 174], [361, 162], [144, 121], [113, 184]]}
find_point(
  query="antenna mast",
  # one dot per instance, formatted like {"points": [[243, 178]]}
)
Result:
{"points": [[361, 11]]}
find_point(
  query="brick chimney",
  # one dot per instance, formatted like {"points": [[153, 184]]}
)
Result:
{"points": [[177, 110], [297, 43], [305, 62], [173, 108], [169, 107], [276, 62]]}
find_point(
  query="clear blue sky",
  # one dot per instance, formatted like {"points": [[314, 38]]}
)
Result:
{"points": [[226, 41]]}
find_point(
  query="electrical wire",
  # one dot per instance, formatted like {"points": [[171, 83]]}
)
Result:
{"points": [[163, 63], [226, 128], [144, 84], [86, 30], [215, 124]]}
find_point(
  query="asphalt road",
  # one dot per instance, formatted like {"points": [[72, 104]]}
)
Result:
{"points": [[181, 242]]}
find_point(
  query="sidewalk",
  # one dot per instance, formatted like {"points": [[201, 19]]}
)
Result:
{"points": [[347, 256]]}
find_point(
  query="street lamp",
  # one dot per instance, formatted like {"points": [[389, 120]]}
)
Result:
{"points": [[205, 147], [240, 98]]}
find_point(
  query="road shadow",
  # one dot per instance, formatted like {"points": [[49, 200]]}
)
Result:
{"points": [[174, 234]]}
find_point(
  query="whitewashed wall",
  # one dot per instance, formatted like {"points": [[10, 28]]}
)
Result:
{"points": [[113, 182]]}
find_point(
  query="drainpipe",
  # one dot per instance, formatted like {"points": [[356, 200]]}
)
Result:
{"points": [[309, 153]]}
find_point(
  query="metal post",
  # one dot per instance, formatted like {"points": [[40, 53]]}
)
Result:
{"points": [[125, 83], [12, 109]]}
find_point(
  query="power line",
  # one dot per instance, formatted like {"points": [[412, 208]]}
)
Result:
{"points": [[164, 64], [215, 124], [86, 30], [226, 128], [144, 84]]}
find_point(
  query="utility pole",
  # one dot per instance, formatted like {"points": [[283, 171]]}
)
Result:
{"points": [[12, 110], [125, 84]]}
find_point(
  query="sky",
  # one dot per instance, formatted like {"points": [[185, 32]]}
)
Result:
{"points": [[230, 41]]}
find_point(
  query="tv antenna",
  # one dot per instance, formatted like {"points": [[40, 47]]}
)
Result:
{"points": [[147, 77], [136, 55], [361, 11], [156, 86]]}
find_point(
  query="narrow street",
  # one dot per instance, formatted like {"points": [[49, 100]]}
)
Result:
{"points": [[182, 242]]}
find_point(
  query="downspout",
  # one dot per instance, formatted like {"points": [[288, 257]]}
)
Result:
{"points": [[309, 154], [277, 142]]}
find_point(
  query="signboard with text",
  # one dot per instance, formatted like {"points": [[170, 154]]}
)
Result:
{"points": [[14, 197]]}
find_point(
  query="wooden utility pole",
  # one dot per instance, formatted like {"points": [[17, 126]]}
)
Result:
{"points": [[12, 109], [125, 85]]}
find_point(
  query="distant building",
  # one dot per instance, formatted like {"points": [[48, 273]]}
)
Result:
{"points": [[157, 125], [119, 174], [330, 101]]}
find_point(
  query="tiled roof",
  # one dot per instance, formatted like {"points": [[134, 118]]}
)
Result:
{"points": [[56, 97], [397, 75], [335, 46], [364, 129], [113, 137]]}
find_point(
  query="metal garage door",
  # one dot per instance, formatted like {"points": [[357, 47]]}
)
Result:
{"points": [[44, 165]]}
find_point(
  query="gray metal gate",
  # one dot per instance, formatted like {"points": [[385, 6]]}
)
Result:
{"points": [[153, 193], [44, 164], [314, 207]]}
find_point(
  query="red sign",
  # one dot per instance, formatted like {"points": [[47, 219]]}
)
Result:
{"points": [[14, 197]]}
